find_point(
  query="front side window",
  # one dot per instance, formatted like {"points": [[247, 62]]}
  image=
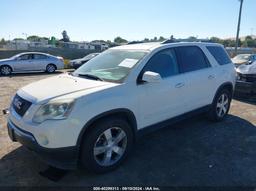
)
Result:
{"points": [[112, 65], [25, 57], [219, 54], [191, 58], [163, 63]]}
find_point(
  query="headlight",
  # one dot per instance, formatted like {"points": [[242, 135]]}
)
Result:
{"points": [[58, 109]]}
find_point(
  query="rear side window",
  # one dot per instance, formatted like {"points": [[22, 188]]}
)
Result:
{"points": [[163, 63], [219, 54], [39, 56], [191, 58]]}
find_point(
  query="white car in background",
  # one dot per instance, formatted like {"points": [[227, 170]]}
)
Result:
{"points": [[241, 59], [31, 61], [246, 78]]}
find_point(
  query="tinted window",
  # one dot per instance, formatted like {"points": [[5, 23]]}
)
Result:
{"points": [[191, 58], [219, 54], [39, 56], [164, 63]]}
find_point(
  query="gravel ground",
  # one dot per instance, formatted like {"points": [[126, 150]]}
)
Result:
{"points": [[194, 152]]}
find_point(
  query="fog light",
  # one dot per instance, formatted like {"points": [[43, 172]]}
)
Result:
{"points": [[43, 139]]}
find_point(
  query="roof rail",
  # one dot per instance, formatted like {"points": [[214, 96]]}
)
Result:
{"points": [[184, 40]]}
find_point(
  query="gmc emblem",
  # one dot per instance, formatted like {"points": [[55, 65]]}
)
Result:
{"points": [[17, 103]]}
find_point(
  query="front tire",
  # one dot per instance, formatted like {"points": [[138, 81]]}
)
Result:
{"points": [[50, 68], [106, 145], [5, 70], [221, 105]]}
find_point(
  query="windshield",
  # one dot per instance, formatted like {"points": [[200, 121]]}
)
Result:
{"points": [[111, 65], [242, 57]]}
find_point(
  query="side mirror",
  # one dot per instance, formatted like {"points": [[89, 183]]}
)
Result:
{"points": [[151, 77]]}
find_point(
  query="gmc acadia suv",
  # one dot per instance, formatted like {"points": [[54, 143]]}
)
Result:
{"points": [[92, 117]]}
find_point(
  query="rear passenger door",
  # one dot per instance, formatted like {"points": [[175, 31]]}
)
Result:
{"points": [[200, 75], [39, 62]]}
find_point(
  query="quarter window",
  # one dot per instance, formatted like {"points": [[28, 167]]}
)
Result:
{"points": [[191, 58], [164, 63], [219, 54]]}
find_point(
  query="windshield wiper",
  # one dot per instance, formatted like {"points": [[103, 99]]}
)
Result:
{"points": [[91, 77]]}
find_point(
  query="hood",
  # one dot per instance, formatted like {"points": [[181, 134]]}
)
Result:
{"points": [[58, 86], [239, 61], [77, 60], [5, 60], [247, 69]]}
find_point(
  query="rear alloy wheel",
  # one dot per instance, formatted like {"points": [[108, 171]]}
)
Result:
{"points": [[50, 68], [106, 145], [220, 106], [6, 70]]}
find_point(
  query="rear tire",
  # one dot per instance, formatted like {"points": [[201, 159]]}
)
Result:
{"points": [[106, 145], [5, 70], [50, 68], [220, 106]]}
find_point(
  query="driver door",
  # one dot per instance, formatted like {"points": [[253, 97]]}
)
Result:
{"points": [[165, 99], [23, 63]]}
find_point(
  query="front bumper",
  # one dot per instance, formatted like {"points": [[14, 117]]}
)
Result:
{"points": [[245, 87], [64, 158]]}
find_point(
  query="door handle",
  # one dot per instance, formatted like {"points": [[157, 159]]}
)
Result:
{"points": [[210, 77], [179, 85]]}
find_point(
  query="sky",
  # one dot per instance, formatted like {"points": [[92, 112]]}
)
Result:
{"points": [[86, 20]]}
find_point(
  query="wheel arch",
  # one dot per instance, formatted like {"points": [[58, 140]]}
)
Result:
{"points": [[121, 112], [7, 65], [51, 64], [227, 85]]}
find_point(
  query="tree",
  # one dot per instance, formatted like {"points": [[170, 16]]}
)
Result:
{"points": [[120, 40], [216, 40], [146, 40], [2, 42], [249, 42], [161, 39], [65, 36], [18, 39], [192, 38]]}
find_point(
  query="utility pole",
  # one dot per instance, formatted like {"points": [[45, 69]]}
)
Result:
{"points": [[238, 26]]}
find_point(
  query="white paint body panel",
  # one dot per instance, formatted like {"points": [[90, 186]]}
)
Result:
{"points": [[150, 103]]}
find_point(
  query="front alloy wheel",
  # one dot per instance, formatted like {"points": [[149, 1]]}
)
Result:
{"points": [[6, 70], [106, 144], [110, 146]]}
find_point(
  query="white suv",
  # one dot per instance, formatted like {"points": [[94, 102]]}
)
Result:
{"points": [[92, 116]]}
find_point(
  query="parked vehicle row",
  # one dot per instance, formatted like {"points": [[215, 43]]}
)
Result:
{"points": [[93, 116], [38, 61], [31, 61]]}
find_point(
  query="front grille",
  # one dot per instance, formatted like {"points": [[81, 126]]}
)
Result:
{"points": [[247, 77], [20, 105]]}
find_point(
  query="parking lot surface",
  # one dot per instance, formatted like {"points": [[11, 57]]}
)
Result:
{"points": [[194, 152]]}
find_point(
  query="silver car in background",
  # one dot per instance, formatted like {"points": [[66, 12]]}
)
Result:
{"points": [[31, 61]]}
